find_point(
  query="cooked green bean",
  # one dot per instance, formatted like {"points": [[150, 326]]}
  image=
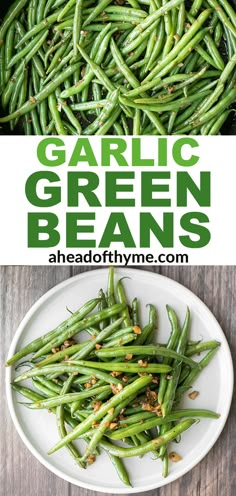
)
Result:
{"points": [[150, 350], [105, 333], [153, 445], [67, 398], [175, 331], [199, 347], [39, 342], [124, 366], [94, 417], [156, 421], [60, 417], [105, 400], [78, 327], [12, 13], [90, 52], [187, 383], [66, 367]]}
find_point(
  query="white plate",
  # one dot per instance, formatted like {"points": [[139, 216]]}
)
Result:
{"points": [[38, 429]]}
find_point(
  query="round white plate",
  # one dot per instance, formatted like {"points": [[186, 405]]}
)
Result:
{"points": [[38, 429]]}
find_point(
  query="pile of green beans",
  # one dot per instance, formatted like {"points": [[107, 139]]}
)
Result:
{"points": [[116, 385], [118, 67]]}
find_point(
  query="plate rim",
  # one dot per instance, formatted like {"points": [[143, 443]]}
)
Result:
{"points": [[122, 490]]}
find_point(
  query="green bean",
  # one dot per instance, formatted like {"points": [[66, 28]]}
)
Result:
{"points": [[120, 341], [135, 83], [135, 312], [37, 28], [43, 389], [214, 111], [217, 125], [171, 121], [60, 355], [30, 55], [9, 50], [77, 25], [23, 92], [65, 9], [199, 347], [105, 112], [124, 11], [107, 331], [67, 398], [97, 52], [173, 382], [124, 366], [228, 70], [158, 46], [16, 92], [123, 26], [153, 445], [156, 84], [69, 113], [187, 383], [27, 49], [40, 10], [134, 418], [189, 111], [118, 57], [54, 387], [171, 106], [186, 38], [96, 11], [35, 81], [150, 19], [60, 416], [171, 344], [151, 350], [27, 125], [127, 392], [120, 469], [121, 296], [34, 114], [149, 328], [142, 37], [39, 342], [67, 367], [111, 288], [121, 433], [50, 128], [97, 70], [12, 13], [180, 22], [137, 128], [208, 102], [28, 393], [59, 53], [109, 122], [222, 16], [78, 327], [218, 34], [103, 426], [119, 334], [212, 48]]}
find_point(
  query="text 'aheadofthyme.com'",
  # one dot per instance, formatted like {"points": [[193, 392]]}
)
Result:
{"points": [[115, 257]]}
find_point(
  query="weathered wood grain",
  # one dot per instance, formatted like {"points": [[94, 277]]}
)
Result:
{"points": [[22, 475]]}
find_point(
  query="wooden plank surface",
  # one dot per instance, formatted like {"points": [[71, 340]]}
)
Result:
{"points": [[22, 475]]}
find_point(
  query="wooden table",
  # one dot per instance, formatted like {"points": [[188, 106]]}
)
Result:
{"points": [[22, 474]]}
